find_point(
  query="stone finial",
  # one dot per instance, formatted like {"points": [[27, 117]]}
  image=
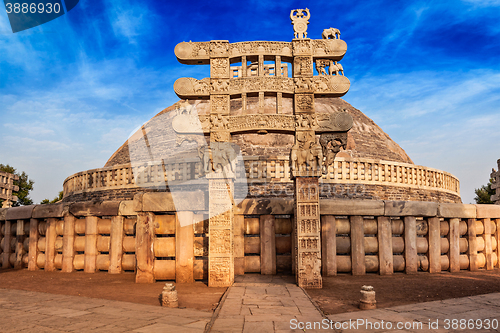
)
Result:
{"points": [[367, 300], [300, 22], [169, 296]]}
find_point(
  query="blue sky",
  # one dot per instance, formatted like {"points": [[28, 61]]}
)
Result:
{"points": [[73, 89]]}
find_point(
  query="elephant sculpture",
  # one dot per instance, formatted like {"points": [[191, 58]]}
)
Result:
{"points": [[331, 32], [336, 68]]}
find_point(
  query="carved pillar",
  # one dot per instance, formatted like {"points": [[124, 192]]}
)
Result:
{"points": [[277, 66], [307, 233], [306, 168], [220, 255]]}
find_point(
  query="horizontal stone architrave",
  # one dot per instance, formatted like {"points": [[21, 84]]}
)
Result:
{"points": [[19, 213], [49, 210], [164, 201], [456, 210], [410, 208], [321, 85], [201, 52], [488, 211], [277, 170], [105, 208], [351, 207], [271, 206]]}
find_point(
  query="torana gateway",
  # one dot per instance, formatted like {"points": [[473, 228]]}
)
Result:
{"points": [[260, 168]]}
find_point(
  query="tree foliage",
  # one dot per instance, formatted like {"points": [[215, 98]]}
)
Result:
{"points": [[24, 183], [56, 199], [484, 193]]}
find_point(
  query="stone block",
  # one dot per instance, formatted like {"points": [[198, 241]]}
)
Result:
{"points": [[3, 213], [352, 207], [138, 201], [164, 201], [410, 208], [487, 211], [456, 210], [127, 208], [49, 210], [105, 208], [19, 213], [265, 207]]}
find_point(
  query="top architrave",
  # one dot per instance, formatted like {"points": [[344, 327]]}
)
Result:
{"points": [[201, 52]]}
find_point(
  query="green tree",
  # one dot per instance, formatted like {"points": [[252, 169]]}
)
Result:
{"points": [[24, 183], [56, 199], [484, 193]]}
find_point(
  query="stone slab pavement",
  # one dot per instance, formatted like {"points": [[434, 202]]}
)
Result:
{"points": [[27, 311], [255, 303], [264, 303], [468, 314]]}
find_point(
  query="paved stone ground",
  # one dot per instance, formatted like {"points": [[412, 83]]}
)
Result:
{"points": [[452, 315], [255, 303], [264, 303], [28, 311]]}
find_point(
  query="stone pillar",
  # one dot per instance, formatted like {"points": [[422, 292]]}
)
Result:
{"points": [[220, 255], [184, 247], [116, 245], [328, 245], [33, 250], [307, 233], [411, 258], [434, 249], [68, 243], [454, 241], [6, 245], [267, 245], [239, 244], [357, 245], [90, 244], [472, 250], [144, 248], [385, 253], [50, 241], [20, 236]]}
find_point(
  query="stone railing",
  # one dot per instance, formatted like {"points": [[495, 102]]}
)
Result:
{"points": [[259, 170], [7, 187], [144, 235]]}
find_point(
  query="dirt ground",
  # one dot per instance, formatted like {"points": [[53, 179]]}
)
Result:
{"points": [[119, 287], [340, 293]]}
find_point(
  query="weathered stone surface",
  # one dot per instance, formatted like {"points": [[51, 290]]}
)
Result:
{"points": [[105, 208], [3, 213], [487, 211], [410, 208], [164, 202], [20, 213], [49, 210], [127, 208], [456, 210], [272, 206], [351, 207]]}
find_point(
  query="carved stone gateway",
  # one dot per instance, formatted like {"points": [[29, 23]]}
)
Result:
{"points": [[318, 136]]}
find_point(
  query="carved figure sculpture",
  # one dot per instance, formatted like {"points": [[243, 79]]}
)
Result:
{"points": [[204, 155], [331, 32], [336, 68], [219, 122], [300, 22], [200, 87], [320, 66], [223, 157], [332, 143]]}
